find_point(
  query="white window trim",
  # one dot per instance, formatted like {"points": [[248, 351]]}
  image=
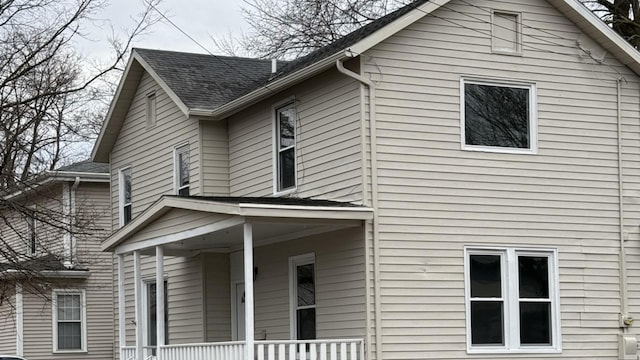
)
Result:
{"points": [[294, 262], [533, 118], [276, 152], [511, 300], [176, 167], [121, 203], [83, 322], [518, 51]]}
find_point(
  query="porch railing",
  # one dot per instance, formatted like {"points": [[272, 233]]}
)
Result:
{"points": [[211, 351], [334, 349]]}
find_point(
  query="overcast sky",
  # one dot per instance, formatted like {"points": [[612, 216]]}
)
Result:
{"points": [[199, 18]]}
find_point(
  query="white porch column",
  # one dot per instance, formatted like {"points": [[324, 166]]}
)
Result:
{"points": [[248, 290], [122, 325], [19, 321], [138, 302], [159, 300]]}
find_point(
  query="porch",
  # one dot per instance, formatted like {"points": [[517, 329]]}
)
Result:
{"points": [[276, 281]]}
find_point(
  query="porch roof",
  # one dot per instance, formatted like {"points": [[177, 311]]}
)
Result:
{"points": [[289, 215]]}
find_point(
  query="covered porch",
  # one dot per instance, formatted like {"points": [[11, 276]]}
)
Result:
{"points": [[277, 278]]}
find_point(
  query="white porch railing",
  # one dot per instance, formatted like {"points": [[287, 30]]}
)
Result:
{"points": [[210, 351], [338, 349], [334, 349]]}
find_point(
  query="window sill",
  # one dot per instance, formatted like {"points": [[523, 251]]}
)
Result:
{"points": [[285, 192], [503, 351], [56, 352], [500, 150]]}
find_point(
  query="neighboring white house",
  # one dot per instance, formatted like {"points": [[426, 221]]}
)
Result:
{"points": [[456, 180], [68, 312]]}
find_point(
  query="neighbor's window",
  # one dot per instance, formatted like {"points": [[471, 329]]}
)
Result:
{"points": [[181, 170], [506, 32], [498, 116], [125, 196], [512, 300], [31, 230], [285, 148], [69, 324], [151, 109], [303, 301]]}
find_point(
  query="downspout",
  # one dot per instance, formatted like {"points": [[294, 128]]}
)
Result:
{"points": [[69, 262], [374, 200], [625, 319]]}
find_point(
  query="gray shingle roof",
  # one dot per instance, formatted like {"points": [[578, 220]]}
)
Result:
{"points": [[86, 166], [293, 201], [207, 81]]}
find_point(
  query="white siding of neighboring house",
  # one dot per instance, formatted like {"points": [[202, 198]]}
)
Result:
{"points": [[436, 198], [149, 151], [327, 141], [8, 326]]}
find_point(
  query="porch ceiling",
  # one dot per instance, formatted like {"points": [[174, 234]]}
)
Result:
{"points": [[185, 224]]}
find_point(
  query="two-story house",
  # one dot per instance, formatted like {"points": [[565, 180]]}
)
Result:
{"points": [[455, 180], [56, 284]]}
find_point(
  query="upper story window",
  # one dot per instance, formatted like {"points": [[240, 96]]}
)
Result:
{"points": [[302, 274], [506, 32], [512, 300], [498, 116], [126, 201], [31, 230], [181, 170], [69, 321], [285, 162], [151, 109]]}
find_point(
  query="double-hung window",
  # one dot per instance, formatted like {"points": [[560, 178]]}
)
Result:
{"points": [[126, 201], [285, 146], [31, 230], [181, 170], [512, 300], [69, 320], [498, 116], [303, 296]]}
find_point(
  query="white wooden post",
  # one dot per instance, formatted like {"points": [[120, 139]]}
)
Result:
{"points": [[138, 302], [159, 300], [248, 290], [122, 325], [19, 321]]}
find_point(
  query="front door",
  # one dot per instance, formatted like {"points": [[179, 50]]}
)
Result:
{"points": [[239, 315]]}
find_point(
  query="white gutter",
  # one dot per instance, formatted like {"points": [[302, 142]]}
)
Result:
{"points": [[374, 199], [625, 319]]}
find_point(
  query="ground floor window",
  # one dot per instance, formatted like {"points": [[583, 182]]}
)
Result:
{"points": [[152, 314], [512, 300], [302, 276], [69, 320]]}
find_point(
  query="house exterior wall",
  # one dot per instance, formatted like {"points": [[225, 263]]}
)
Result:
{"points": [[215, 158], [435, 198], [7, 326], [328, 142], [148, 150], [217, 286]]}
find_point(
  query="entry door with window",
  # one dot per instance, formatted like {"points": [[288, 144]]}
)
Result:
{"points": [[151, 316], [303, 299]]}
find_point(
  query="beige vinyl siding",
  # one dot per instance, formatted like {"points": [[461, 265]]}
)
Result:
{"points": [[215, 158], [340, 285], [436, 198], [149, 150], [328, 156], [217, 287], [185, 297], [8, 326]]}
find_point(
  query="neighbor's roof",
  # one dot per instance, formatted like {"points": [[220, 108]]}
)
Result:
{"points": [[206, 85], [86, 166]]}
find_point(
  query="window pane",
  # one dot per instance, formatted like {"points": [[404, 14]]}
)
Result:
{"points": [[487, 323], [533, 276], [184, 191], [69, 336], [127, 214], [306, 286], [306, 324], [127, 186], [497, 116], [485, 276], [286, 127], [152, 313], [183, 158], [287, 169], [68, 307], [535, 323]]}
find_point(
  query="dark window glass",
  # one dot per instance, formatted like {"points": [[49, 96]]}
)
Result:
{"points": [[306, 287], [69, 336], [127, 214], [152, 340], [485, 276], [287, 128], [127, 187], [306, 324], [487, 323], [497, 116], [535, 323], [533, 276], [287, 169], [31, 228]]}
